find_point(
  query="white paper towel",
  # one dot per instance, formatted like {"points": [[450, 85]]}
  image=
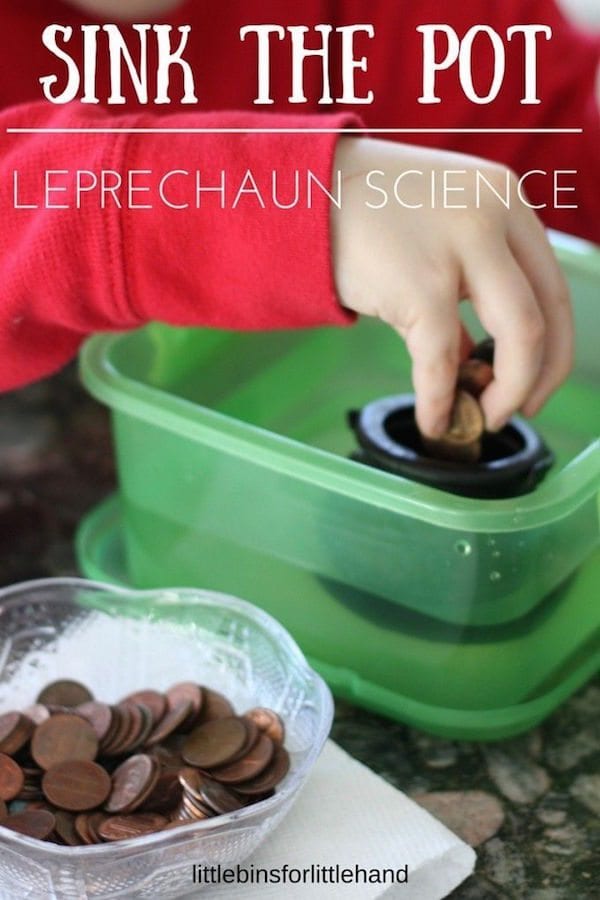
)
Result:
{"points": [[347, 815]]}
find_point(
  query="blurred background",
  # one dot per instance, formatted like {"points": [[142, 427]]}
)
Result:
{"points": [[587, 12]]}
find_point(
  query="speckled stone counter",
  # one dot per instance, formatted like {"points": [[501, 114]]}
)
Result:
{"points": [[530, 805]]}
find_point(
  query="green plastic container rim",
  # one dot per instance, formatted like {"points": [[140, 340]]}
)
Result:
{"points": [[555, 499]]}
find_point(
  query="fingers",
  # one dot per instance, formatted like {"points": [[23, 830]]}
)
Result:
{"points": [[532, 251], [434, 343], [508, 309]]}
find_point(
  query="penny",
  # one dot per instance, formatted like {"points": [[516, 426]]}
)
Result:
{"points": [[252, 735], [187, 690], [87, 826], [249, 766], [195, 810], [63, 737], [37, 712], [192, 801], [137, 723], [268, 722], [115, 726], [461, 441], [170, 723], [201, 761], [132, 783], [82, 828], [474, 375], [99, 716], [32, 823], [215, 743], [76, 785], [166, 793], [120, 828], [148, 724], [167, 757], [12, 778], [215, 706], [217, 797], [191, 781], [15, 731], [153, 700], [123, 719], [65, 828], [64, 693], [270, 778], [95, 820]]}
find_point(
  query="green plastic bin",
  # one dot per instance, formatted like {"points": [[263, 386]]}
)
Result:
{"points": [[469, 618]]}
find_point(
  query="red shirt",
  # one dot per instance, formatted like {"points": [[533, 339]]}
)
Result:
{"points": [[66, 273]]}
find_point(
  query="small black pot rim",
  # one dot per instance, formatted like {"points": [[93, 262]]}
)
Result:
{"points": [[529, 462]]}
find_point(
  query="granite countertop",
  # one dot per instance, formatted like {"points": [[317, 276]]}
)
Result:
{"points": [[530, 805]]}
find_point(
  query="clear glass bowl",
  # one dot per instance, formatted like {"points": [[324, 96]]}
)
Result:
{"points": [[116, 641]]}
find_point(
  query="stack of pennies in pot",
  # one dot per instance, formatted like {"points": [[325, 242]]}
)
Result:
{"points": [[76, 771], [461, 442]]}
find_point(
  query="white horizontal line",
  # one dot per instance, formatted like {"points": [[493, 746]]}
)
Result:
{"points": [[369, 131]]}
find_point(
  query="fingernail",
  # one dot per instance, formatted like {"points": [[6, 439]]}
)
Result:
{"points": [[440, 427], [496, 425]]}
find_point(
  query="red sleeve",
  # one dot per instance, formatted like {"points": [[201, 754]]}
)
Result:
{"points": [[66, 273]]}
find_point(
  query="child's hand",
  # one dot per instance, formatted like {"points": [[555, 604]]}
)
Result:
{"points": [[412, 266]]}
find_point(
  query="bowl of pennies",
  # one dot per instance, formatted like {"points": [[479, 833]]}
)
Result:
{"points": [[466, 459], [143, 733]]}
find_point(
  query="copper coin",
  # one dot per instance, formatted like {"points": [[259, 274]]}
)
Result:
{"points": [[461, 441], [112, 731], [252, 735], [137, 724], [64, 693], [15, 731], [63, 737], [251, 765], [268, 722], [215, 706], [99, 716], [166, 793], [191, 781], [123, 719], [95, 820], [132, 782], [65, 828], [32, 823], [167, 757], [87, 826], [195, 810], [169, 723], [215, 743], [153, 700], [11, 777], [76, 785], [82, 828], [270, 778], [37, 712], [187, 690], [122, 828], [147, 726], [3, 810], [474, 376], [217, 797]]}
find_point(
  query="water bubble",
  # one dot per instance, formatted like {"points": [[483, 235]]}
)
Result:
{"points": [[463, 547], [495, 576], [496, 554]]}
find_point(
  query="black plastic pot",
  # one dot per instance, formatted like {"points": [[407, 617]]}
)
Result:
{"points": [[513, 461]]}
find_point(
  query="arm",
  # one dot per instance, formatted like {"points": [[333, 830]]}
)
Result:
{"points": [[68, 273]]}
